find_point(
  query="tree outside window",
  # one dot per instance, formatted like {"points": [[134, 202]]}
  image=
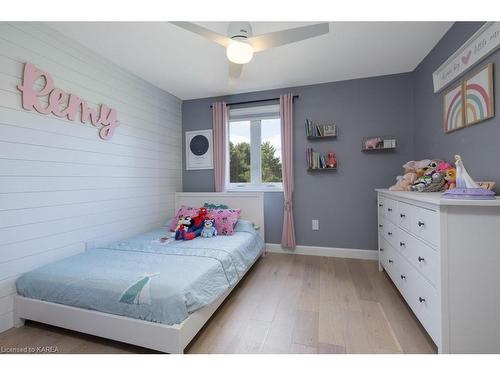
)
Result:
{"points": [[255, 153]]}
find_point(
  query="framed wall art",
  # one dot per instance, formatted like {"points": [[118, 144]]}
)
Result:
{"points": [[199, 150], [478, 96], [453, 113]]}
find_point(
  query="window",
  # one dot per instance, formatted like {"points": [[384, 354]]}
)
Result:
{"points": [[255, 148]]}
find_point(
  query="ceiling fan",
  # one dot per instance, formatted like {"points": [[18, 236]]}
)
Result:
{"points": [[240, 44]]}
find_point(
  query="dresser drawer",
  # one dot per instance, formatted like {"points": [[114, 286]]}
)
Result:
{"points": [[424, 223], [403, 215], [420, 295], [389, 260], [424, 258], [389, 232], [390, 208], [423, 299], [382, 247], [381, 207]]}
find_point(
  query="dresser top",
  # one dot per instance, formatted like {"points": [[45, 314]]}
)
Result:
{"points": [[437, 198]]}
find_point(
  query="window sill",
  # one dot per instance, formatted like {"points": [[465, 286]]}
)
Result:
{"points": [[264, 188]]}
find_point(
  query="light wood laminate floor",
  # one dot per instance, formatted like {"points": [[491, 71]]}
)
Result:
{"points": [[285, 304]]}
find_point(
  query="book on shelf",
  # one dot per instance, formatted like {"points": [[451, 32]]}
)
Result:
{"points": [[315, 160], [318, 131]]}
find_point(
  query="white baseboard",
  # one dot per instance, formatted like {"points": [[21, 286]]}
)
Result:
{"points": [[337, 252]]}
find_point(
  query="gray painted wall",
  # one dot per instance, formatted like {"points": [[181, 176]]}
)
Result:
{"points": [[479, 144], [343, 201]]}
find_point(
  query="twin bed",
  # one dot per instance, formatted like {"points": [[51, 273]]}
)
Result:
{"points": [[142, 291]]}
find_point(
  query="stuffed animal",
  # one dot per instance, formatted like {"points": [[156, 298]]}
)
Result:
{"points": [[185, 229], [450, 175], [180, 223], [181, 228], [416, 166], [404, 183], [372, 143], [200, 219], [432, 167], [443, 167], [209, 228], [432, 183]]}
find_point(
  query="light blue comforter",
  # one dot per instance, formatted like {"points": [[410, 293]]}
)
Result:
{"points": [[141, 278]]}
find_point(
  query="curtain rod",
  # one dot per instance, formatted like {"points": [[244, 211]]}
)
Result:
{"points": [[257, 101]]}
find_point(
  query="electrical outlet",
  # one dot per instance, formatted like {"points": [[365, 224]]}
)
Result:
{"points": [[315, 224]]}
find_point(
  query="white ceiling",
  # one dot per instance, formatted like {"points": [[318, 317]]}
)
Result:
{"points": [[189, 66]]}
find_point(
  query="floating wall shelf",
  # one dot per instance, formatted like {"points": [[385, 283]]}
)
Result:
{"points": [[378, 142]]}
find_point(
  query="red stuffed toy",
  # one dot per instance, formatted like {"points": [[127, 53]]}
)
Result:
{"points": [[200, 219], [191, 226]]}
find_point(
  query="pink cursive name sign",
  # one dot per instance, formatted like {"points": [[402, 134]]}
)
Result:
{"points": [[105, 121]]}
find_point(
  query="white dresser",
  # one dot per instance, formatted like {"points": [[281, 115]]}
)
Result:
{"points": [[444, 257]]}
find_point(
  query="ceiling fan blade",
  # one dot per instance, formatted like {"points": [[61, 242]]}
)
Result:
{"points": [[279, 38], [204, 32], [235, 70]]}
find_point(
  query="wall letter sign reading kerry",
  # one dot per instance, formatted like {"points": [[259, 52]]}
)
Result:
{"points": [[485, 41], [105, 121]]}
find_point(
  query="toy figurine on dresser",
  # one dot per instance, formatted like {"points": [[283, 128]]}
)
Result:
{"points": [[466, 187]]}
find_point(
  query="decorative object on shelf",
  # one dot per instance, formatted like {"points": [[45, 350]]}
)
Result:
{"points": [[199, 153], [485, 41], [478, 96], [453, 114], [316, 131], [378, 143], [467, 188], [331, 160], [316, 161]]}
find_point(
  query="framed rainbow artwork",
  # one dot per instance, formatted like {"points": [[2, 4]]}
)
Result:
{"points": [[454, 109], [478, 96]]}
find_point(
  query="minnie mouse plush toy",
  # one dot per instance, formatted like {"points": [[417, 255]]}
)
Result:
{"points": [[191, 226]]}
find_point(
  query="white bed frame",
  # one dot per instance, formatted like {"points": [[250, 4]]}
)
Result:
{"points": [[161, 337]]}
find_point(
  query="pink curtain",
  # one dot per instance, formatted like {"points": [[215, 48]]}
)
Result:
{"points": [[220, 118], [286, 114]]}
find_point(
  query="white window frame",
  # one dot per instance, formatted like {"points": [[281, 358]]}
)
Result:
{"points": [[254, 115]]}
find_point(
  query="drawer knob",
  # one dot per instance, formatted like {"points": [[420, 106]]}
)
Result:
{"points": [[421, 223], [380, 205], [389, 209], [402, 215], [389, 233], [380, 225], [402, 244], [391, 261], [381, 249], [420, 299], [420, 259], [403, 277]]}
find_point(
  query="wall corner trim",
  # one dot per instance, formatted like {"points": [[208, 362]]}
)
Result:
{"points": [[336, 252]]}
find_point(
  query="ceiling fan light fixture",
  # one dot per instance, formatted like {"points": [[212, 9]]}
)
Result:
{"points": [[239, 52]]}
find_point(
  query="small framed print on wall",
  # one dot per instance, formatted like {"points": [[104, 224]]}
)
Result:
{"points": [[199, 150], [453, 115], [478, 96]]}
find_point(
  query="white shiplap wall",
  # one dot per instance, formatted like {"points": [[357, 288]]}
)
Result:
{"points": [[60, 184]]}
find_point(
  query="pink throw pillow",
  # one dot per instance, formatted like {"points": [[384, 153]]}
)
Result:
{"points": [[183, 211], [225, 219]]}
